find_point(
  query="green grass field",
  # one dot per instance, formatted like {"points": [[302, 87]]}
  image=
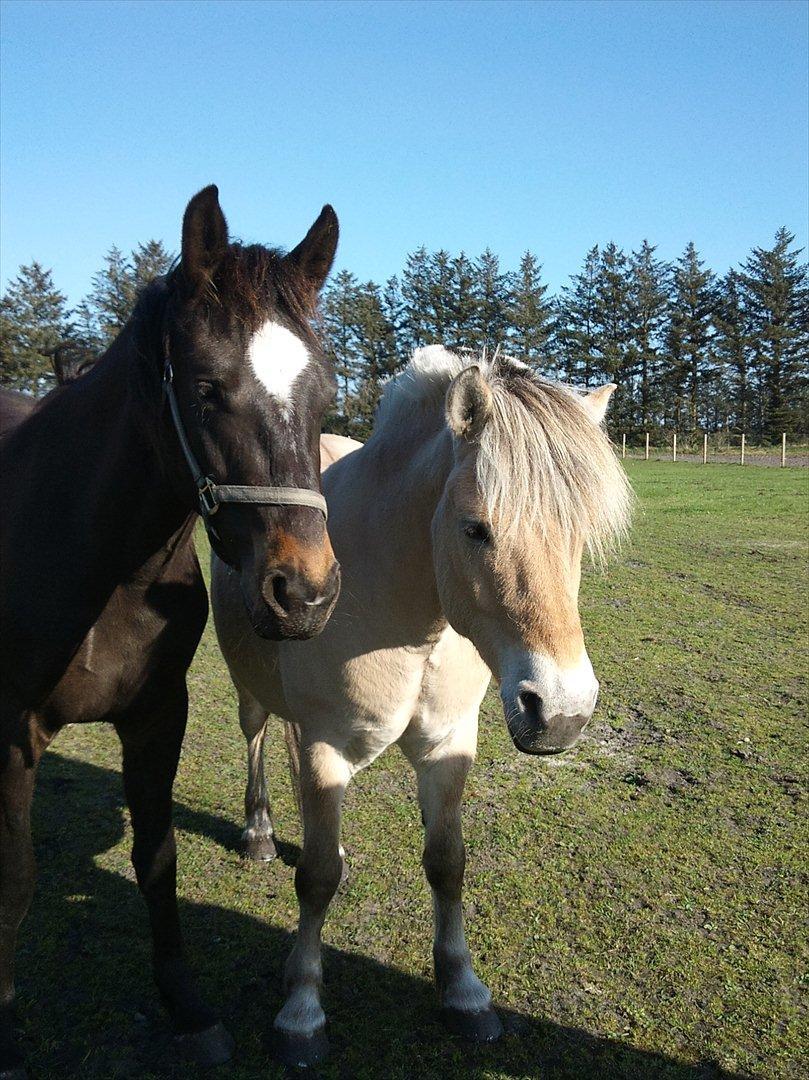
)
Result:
{"points": [[638, 906]]}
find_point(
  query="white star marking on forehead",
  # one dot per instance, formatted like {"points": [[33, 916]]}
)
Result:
{"points": [[278, 357]]}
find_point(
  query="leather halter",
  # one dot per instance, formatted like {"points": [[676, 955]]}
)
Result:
{"points": [[212, 495]]}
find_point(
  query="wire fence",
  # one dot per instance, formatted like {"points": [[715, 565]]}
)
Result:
{"points": [[720, 449]]}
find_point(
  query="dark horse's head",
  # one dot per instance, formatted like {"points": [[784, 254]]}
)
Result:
{"points": [[252, 384]]}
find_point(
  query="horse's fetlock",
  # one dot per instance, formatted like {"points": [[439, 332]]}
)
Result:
{"points": [[302, 1013]]}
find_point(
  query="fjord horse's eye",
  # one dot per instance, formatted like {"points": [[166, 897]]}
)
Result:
{"points": [[478, 532]]}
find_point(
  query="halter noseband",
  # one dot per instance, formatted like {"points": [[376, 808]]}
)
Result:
{"points": [[211, 494]]}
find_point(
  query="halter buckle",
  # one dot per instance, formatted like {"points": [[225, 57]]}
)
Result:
{"points": [[206, 490]]}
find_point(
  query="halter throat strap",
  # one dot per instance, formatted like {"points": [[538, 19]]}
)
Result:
{"points": [[211, 495]]}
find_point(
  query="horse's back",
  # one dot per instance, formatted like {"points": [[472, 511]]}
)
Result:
{"points": [[14, 408], [334, 447]]}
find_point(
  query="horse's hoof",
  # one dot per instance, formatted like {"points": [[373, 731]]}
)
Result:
{"points": [[481, 1027], [15, 1073], [260, 849], [213, 1046], [300, 1051]]}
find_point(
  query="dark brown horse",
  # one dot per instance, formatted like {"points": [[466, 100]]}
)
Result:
{"points": [[215, 387]]}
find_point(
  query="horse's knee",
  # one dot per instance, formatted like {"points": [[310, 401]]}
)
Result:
{"points": [[252, 719], [444, 860], [317, 878], [153, 861]]}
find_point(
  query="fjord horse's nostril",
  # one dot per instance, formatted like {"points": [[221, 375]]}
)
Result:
{"points": [[532, 706]]}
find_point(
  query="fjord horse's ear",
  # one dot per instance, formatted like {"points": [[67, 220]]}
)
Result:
{"points": [[596, 401], [312, 258], [205, 237], [468, 404]]}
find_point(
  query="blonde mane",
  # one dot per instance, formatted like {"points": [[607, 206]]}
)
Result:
{"points": [[541, 458]]}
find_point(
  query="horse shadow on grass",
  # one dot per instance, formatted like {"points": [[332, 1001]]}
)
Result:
{"points": [[89, 1011]]}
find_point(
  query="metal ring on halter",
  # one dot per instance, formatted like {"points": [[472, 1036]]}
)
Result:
{"points": [[212, 495]]}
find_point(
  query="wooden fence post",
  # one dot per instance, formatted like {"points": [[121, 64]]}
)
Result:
{"points": [[647, 445], [623, 446], [674, 448], [741, 460], [705, 449], [783, 449]]}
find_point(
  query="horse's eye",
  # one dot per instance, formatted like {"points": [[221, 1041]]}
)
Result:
{"points": [[477, 531]]}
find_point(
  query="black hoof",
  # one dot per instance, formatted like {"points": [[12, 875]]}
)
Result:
{"points": [[15, 1073], [481, 1027], [213, 1046], [260, 849], [299, 1051]]}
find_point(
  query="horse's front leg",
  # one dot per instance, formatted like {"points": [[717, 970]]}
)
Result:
{"points": [[151, 741], [301, 1023], [442, 768], [257, 837]]}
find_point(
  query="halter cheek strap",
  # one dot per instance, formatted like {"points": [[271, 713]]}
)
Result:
{"points": [[211, 494]]}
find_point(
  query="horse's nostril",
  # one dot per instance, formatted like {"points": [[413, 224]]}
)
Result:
{"points": [[280, 592], [532, 706]]}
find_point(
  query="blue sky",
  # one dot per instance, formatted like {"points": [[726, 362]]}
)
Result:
{"points": [[549, 126]]}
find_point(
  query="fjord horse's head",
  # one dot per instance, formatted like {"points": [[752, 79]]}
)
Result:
{"points": [[535, 481], [252, 384]]}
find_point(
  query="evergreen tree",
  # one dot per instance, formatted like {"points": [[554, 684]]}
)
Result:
{"points": [[393, 307], [690, 330], [33, 321], [416, 300], [338, 317], [648, 303], [530, 315], [463, 304], [103, 313], [775, 286], [732, 344], [616, 354], [577, 321], [376, 354], [493, 300], [439, 317]]}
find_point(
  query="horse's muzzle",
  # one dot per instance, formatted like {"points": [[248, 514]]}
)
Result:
{"points": [[533, 732], [293, 605]]}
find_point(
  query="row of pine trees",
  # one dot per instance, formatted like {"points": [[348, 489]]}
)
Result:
{"points": [[690, 351]]}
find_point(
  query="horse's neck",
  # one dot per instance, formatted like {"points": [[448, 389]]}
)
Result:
{"points": [[384, 499], [105, 474]]}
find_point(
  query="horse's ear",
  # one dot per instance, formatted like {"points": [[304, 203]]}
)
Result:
{"points": [[312, 258], [468, 404], [205, 237], [596, 401]]}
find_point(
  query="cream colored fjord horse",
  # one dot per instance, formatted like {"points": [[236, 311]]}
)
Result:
{"points": [[460, 528]]}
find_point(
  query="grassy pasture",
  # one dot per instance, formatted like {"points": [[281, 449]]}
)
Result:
{"points": [[638, 907]]}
